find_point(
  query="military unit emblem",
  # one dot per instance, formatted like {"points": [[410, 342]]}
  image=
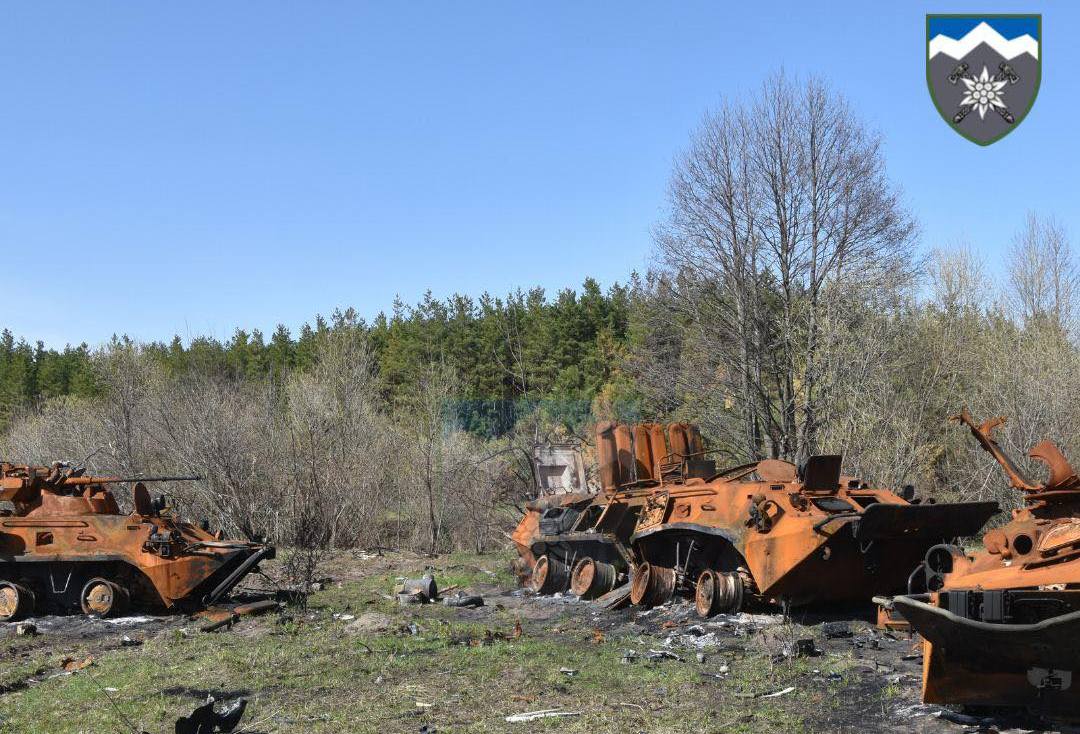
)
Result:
{"points": [[983, 71]]}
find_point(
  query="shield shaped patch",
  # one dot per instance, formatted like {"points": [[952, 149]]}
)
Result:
{"points": [[983, 71]]}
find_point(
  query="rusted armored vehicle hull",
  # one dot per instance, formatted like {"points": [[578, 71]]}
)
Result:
{"points": [[67, 547], [565, 529], [974, 657], [765, 531], [1002, 625]]}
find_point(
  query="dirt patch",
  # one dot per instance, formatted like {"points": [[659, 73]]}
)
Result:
{"points": [[369, 622]]}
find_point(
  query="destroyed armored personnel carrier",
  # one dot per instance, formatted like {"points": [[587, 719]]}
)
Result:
{"points": [[65, 546], [1002, 625], [769, 530]]}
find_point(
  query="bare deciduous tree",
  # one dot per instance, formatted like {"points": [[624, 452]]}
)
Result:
{"points": [[781, 217], [1043, 277]]}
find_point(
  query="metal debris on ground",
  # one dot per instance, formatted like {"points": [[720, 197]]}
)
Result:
{"points": [[225, 617], [982, 722], [837, 630], [73, 665], [207, 720], [464, 600], [804, 648], [617, 598], [489, 637], [418, 591]]}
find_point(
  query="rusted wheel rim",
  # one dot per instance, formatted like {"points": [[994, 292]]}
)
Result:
{"points": [[100, 597], [9, 602], [639, 585], [539, 573], [584, 576], [661, 585], [737, 593], [705, 593]]}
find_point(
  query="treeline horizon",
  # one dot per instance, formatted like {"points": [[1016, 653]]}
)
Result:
{"points": [[522, 348]]}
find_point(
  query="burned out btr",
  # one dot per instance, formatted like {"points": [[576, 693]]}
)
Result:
{"points": [[668, 521], [1001, 624], [66, 546]]}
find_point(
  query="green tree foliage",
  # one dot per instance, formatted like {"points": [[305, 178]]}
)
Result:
{"points": [[511, 354], [30, 373]]}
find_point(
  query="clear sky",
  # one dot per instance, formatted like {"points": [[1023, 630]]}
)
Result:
{"points": [[193, 167]]}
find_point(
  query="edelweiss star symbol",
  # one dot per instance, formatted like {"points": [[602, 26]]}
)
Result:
{"points": [[982, 92]]}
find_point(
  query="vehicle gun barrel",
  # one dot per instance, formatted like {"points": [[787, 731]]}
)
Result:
{"points": [[79, 481]]}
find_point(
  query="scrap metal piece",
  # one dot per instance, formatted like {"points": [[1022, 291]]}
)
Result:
{"points": [[206, 720], [219, 618], [617, 598], [425, 587], [464, 600]]}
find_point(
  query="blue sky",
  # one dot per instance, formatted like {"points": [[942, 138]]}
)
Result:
{"points": [[189, 168]]}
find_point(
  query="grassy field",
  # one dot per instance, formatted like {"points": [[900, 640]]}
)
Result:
{"points": [[400, 668]]}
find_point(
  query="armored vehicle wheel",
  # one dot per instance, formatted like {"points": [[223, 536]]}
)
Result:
{"points": [[16, 602], [592, 578], [103, 598], [718, 592], [549, 576], [651, 585]]}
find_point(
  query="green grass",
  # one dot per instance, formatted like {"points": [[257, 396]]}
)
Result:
{"points": [[308, 674]]}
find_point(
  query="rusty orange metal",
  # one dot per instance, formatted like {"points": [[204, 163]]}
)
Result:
{"points": [[66, 545], [767, 531], [1002, 625]]}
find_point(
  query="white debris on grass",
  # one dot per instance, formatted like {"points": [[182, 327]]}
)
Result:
{"points": [[545, 714], [787, 690], [129, 621]]}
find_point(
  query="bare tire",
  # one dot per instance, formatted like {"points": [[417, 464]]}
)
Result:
{"points": [[718, 592], [103, 598], [549, 576], [592, 578], [705, 593], [16, 602], [651, 585]]}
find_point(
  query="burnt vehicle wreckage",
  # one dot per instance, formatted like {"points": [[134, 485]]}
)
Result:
{"points": [[1001, 626], [67, 546], [769, 531]]}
